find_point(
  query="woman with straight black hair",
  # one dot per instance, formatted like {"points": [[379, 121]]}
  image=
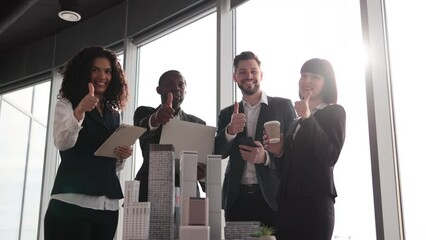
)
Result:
{"points": [[305, 158]]}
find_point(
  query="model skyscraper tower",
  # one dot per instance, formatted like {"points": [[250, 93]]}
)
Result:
{"points": [[136, 214], [161, 191], [188, 174], [215, 173], [194, 210]]}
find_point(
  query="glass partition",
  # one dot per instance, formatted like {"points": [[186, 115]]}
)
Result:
{"points": [[190, 50]]}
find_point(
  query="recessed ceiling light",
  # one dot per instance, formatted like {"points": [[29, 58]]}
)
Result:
{"points": [[69, 16]]}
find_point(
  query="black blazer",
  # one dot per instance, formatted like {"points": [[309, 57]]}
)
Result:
{"points": [[141, 118], [280, 109], [306, 168]]}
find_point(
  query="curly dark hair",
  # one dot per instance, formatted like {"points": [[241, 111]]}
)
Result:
{"points": [[77, 73]]}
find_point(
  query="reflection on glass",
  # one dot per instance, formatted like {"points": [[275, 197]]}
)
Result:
{"points": [[21, 99], [407, 51], [13, 154], [284, 34], [191, 53], [33, 181], [21, 159], [41, 102]]}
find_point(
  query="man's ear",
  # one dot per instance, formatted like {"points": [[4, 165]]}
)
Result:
{"points": [[159, 90], [234, 75]]}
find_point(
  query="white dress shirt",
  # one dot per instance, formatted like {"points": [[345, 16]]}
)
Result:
{"points": [[252, 116]]}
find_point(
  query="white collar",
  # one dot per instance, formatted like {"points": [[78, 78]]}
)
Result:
{"points": [[319, 107], [263, 99]]}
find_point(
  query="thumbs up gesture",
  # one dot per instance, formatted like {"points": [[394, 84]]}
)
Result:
{"points": [[170, 100], [238, 121], [164, 113], [91, 90], [302, 106], [87, 104]]}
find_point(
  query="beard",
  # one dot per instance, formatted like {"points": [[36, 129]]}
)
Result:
{"points": [[249, 91]]}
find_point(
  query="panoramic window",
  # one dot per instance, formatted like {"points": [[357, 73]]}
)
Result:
{"points": [[407, 51], [191, 53], [23, 123], [284, 34]]}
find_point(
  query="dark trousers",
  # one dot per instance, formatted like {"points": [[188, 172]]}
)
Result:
{"points": [[69, 222], [251, 206], [306, 219], [142, 177]]}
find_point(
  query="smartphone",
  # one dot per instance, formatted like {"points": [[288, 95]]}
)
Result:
{"points": [[247, 141]]}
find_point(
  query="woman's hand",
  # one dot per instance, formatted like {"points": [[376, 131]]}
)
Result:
{"points": [[123, 152], [87, 104], [276, 149], [302, 107]]}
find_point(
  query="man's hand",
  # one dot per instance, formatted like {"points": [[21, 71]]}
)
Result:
{"points": [[164, 113], [253, 154], [238, 121]]}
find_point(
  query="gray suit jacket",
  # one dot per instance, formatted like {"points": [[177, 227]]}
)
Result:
{"points": [[280, 109]]}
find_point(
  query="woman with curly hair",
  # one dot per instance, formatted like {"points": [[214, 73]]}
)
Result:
{"points": [[86, 193]]}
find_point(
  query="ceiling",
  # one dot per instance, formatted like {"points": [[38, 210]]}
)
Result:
{"points": [[26, 21]]}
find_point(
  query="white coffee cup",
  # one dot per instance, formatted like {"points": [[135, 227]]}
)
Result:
{"points": [[272, 129]]}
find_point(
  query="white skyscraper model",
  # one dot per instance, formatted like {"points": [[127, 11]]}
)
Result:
{"points": [[215, 174], [161, 191], [136, 214], [188, 174], [194, 210]]}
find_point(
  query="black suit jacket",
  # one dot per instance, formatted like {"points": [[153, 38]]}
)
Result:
{"points": [[307, 165], [307, 191], [141, 118], [280, 109]]}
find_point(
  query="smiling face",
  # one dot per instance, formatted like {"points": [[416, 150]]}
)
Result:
{"points": [[311, 83], [248, 76], [100, 75], [173, 82]]}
